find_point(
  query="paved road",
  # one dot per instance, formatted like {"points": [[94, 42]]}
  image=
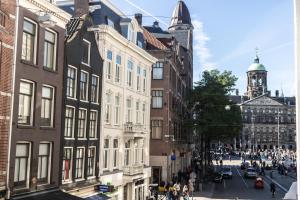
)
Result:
{"points": [[240, 188]]}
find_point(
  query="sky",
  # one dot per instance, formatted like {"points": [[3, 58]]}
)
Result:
{"points": [[227, 32]]}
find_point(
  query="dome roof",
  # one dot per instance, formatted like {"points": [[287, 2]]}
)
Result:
{"points": [[181, 15], [256, 66]]}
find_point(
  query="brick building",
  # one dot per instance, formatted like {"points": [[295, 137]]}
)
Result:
{"points": [[7, 32]]}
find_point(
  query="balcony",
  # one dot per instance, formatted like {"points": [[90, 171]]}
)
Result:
{"points": [[133, 169], [134, 130]]}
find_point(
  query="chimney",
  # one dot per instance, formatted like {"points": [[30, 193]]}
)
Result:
{"points": [[237, 92], [156, 24], [81, 7], [277, 93], [139, 18]]}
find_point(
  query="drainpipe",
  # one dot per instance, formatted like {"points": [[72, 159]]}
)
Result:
{"points": [[12, 96]]}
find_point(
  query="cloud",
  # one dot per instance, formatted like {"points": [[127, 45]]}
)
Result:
{"points": [[202, 54]]}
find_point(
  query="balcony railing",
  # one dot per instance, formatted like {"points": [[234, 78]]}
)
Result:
{"points": [[133, 170], [133, 128]]}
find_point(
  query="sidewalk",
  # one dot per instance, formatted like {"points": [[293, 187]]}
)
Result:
{"points": [[207, 192]]}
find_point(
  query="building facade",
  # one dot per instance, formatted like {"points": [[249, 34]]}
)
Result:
{"points": [[171, 82], [7, 39], [82, 104], [268, 121], [36, 117]]}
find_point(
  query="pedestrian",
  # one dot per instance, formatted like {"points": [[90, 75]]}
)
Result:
{"points": [[273, 189], [176, 191], [185, 192]]}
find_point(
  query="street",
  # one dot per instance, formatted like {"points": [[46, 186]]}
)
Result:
{"points": [[241, 188]]}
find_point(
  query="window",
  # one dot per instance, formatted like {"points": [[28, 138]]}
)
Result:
{"points": [[67, 164], [138, 79], [47, 106], [110, 22], [144, 80], [106, 153], [156, 129], [127, 154], [94, 88], [143, 114], [115, 156], [129, 73], [84, 86], [128, 114], [69, 122], [86, 52], [25, 113], [109, 65], [117, 71], [131, 35], [137, 108], [157, 98], [50, 50], [91, 161], [81, 123], [108, 108], [29, 41], [136, 153], [22, 164], [79, 163], [93, 124], [117, 109], [158, 71], [2, 19], [44, 162], [71, 82]]}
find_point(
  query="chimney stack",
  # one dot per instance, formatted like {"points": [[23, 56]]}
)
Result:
{"points": [[277, 93], [156, 24], [139, 18], [81, 7]]}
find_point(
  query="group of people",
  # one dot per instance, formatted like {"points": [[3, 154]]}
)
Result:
{"points": [[175, 191]]}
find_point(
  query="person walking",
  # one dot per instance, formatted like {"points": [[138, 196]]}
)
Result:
{"points": [[273, 189], [185, 192]]}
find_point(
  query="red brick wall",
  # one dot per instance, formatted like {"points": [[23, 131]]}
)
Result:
{"points": [[7, 9]]}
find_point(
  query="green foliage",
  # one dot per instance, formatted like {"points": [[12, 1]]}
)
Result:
{"points": [[209, 100]]}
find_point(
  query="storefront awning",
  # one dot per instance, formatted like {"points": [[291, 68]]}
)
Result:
{"points": [[98, 197], [53, 195]]}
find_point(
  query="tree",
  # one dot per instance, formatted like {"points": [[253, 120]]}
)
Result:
{"points": [[215, 116]]}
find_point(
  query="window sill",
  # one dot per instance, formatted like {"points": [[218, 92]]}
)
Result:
{"points": [[85, 64], [50, 70], [93, 138], [79, 180], [72, 98], [81, 139], [28, 63], [95, 103], [25, 126], [69, 138], [91, 177], [66, 182], [84, 101]]}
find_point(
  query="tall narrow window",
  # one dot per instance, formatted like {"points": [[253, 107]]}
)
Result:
{"points": [[138, 78], [157, 98], [93, 124], [158, 70], [84, 86], [22, 164], [29, 41], [50, 50], [129, 113], [109, 65], [94, 89], [137, 115], [44, 162], [127, 154], [144, 80], [79, 163], [118, 68], [156, 129], [67, 164], [144, 114], [47, 106], [81, 123], [69, 122], [129, 73], [25, 113], [108, 108], [86, 48], [106, 153], [136, 152], [71, 82], [117, 110], [91, 161], [115, 156]]}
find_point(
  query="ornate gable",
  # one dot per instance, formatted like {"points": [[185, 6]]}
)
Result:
{"points": [[263, 100]]}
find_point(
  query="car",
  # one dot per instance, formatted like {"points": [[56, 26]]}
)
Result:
{"points": [[218, 178], [268, 164], [245, 165], [259, 183], [250, 173], [226, 172]]}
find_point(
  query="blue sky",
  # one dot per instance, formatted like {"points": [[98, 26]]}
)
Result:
{"points": [[228, 31]]}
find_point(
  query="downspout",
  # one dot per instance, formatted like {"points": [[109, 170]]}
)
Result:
{"points": [[12, 96]]}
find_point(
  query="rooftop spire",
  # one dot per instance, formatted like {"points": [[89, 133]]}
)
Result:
{"points": [[181, 15], [256, 60]]}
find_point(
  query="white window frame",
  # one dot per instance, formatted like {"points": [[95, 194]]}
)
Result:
{"points": [[71, 168], [94, 167], [89, 52], [144, 75], [97, 89], [129, 73], [32, 101], [138, 78], [118, 66], [108, 106], [83, 163], [52, 106], [87, 86], [75, 87], [55, 49], [115, 153], [73, 128], [28, 162], [109, 63], [129, 110], [95, 111], [50, 159], [85, 124], [35, 40], [105, 168], [138, 112], [117, 116]]}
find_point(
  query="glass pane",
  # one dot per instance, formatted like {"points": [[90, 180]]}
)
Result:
{"points": [[21, 150], [118, 59], [47, 92], [25, 88], [29, 27], [49, 36], [44, 149], [23, 168]]}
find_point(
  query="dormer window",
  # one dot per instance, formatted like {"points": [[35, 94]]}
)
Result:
{"points": [[110, 22], [131, 33], [86, 45]]}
